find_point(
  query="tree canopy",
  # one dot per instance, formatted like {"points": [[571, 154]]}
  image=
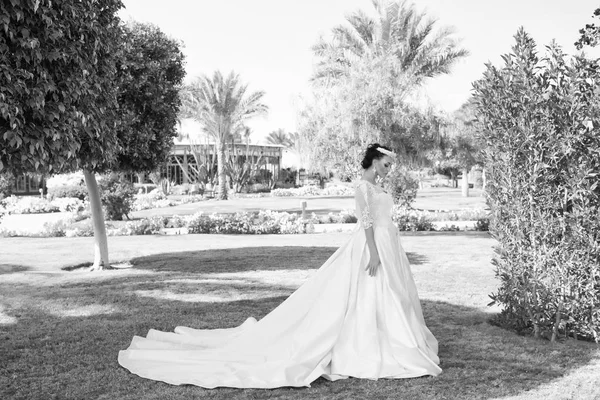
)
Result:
{"points": [[150, 74], [415, 43], [363, 83], [58, 95]]}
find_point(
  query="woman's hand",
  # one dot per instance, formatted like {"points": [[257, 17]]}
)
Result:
{"points": [[373, 264]]}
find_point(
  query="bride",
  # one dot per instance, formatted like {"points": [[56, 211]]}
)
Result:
{"points": [[358, 316]]}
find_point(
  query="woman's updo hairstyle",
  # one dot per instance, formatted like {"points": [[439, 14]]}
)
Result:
{"points": [[372, 154]]}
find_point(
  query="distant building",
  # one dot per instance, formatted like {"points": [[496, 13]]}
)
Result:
{"points": [[193, 156], [29, 184], [193, 162]]}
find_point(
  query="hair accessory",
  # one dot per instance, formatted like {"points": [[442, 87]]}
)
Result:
{"points": [[386, 152]]}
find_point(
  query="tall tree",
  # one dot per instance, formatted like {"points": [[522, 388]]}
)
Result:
{"points": [[371, 105], [459, 147], [417, 46], [363, 80], [66, 101], [222, 106], [59, 104]]}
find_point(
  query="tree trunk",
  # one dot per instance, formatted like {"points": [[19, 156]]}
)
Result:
{"points": [[222, 195], [100, 239], [484, 179], [465, 182]]}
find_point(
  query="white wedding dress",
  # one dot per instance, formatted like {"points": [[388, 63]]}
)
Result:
{"points": [[340, 323]]}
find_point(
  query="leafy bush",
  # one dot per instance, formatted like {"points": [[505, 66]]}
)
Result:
{"points": [[28, 205], [146, 226], [540, 119], [263, 222], [155, 199], [338, 190], [67, 185], [411, 220], [482, 224], [256, 188], [311, 190], [401, 186], [82, 229], [68, 204], [116, 197], [72, 191], [201, 223], [7, 181], [176, 221], [301, 191], [461, 215], [449, 228], [343, 217], [56, 228]]}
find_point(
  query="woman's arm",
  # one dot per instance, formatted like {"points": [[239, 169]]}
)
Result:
{"points": [[374, 261], [364, 196]]}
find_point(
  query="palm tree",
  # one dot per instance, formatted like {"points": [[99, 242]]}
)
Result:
{"points": [[280, 137], [222, 106], [399, 30]]}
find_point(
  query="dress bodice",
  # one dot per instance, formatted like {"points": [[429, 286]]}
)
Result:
{"points": [[373, 205]]}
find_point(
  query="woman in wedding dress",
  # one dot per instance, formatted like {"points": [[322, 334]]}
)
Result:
{"points": [[358, 316]]}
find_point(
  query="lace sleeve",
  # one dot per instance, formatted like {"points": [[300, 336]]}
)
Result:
{"points": [[363, 197]]}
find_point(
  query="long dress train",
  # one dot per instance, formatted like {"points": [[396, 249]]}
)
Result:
{"points": [[340, 323]]}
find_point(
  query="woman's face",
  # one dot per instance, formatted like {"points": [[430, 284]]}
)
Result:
{"points": [[382, 166]]}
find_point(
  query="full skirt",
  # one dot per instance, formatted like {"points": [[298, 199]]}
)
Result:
{"points": [[340, 323]]}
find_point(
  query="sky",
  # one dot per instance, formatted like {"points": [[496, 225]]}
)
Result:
{"points": [[268, 42]]}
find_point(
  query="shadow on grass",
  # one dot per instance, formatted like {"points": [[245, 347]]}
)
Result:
{"points": [[66, 338], [245, 259]]}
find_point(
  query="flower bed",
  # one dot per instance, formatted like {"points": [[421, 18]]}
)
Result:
{"points": [[262, 222], [38, 205], [334, 190], [157, 199]]}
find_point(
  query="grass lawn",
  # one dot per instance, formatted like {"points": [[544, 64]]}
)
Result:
{"points": [[60, 331]]}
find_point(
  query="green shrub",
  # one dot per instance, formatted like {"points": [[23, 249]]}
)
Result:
{"points": [[262, 222], [7, 182], [449, 228], [256, 188], [78, 191], [146, 226], [176, 221], [56, 228], [201, 223], [540, 119], [413, 223], [116, 196], [482, 224], [68, 204], [28, 205], [84, 228], [401, 186], [411, 220]]}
